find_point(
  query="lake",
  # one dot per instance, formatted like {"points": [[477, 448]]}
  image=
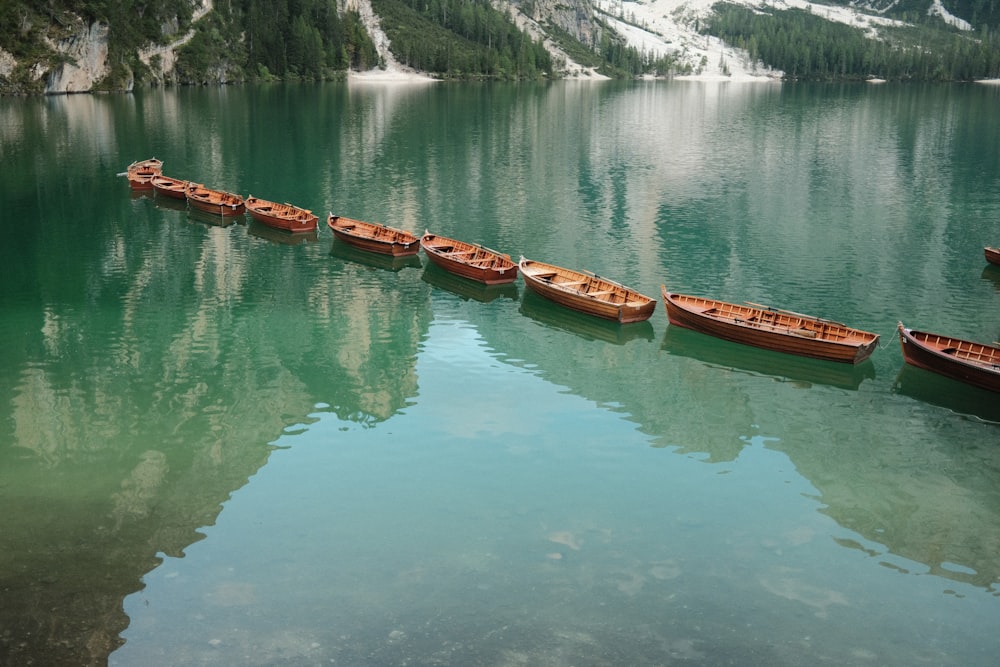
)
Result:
{"points": [[221, 444]]}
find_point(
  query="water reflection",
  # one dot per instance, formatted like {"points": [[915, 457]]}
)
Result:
{"points": [[171, 203], [375, 260], [943, 392], [465, 288], [702, 397], [545, 312], [149, 368], [785, 367], [142, 398], [280, 236], [203, 217], [991, 274]]}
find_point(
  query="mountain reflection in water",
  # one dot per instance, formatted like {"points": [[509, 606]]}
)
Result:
{"points": [[472, 476]]}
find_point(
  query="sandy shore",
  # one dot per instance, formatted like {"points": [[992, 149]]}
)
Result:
{"points": [[390, 75]]}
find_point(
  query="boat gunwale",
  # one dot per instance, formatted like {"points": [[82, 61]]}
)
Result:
{"points": [[369, 242], [468, 244], [175, 187], [636, 306], [140, 173], [494, 268], [769, 327], [915, 336], [799, 341], [211, 200], [587, 276], [284, 216]]}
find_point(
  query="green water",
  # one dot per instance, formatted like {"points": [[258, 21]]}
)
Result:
{"points": [[218, 446]]}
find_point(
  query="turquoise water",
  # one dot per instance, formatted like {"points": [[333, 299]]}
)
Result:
{"points": [[223, 447]]}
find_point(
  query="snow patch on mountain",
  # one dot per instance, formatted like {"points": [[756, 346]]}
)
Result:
{"points": [[671, 27], [937, 9]]}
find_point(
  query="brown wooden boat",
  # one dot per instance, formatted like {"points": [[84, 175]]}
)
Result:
{"points": [[770, 328], [141, 172], [469, 260], [373, 237], [992, 255], [973, 363], [169, 187], [216, 202], [586, 292], [281, 216]]}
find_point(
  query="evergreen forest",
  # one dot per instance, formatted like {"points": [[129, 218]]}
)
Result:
{"points": [[808, 47], [461, 39], [310, 39]]}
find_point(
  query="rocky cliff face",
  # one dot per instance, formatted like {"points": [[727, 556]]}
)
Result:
{"points": [[85, 55], [79, 58], [575, 17], [82, 55]]}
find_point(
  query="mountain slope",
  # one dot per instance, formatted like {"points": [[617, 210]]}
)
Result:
{"points": [[75, 46], [676, 26]]}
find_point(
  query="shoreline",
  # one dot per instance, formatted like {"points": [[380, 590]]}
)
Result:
{"points": [[391, 75]]}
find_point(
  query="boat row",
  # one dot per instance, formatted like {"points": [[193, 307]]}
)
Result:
{"points": [[148, 175], [750, 323], [579, 290]]}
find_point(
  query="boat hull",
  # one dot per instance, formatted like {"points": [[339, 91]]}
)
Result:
{"points": [[939, 354], [140, 174], [372, 237], [992, 255], [799, 335], [469, 261], [576, 290], [169, 187], [214, 202], [282, 216]]}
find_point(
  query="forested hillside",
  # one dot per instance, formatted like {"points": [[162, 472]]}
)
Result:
{"points": [[119, 44], [236, 40], [978, 13], [805, 45]]}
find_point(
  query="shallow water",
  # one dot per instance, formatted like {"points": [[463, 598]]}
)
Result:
{"points": [[228, 446]]}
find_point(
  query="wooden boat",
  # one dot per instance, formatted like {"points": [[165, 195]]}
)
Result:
{"points": [[992, 255], [217, 202], [770, 328], [281, 216], [169, 187], [469, 260], [373, 237], [586, 292], [141, 172], [973, 363]]}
